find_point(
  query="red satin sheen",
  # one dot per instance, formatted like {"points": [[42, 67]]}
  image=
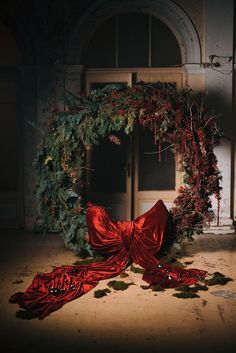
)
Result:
{"points": [[124, 242]]}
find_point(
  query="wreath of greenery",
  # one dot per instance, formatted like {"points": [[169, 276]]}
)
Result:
{"points": [[176, 117]]}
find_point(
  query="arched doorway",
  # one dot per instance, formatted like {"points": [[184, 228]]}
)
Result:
{"points": [[128, 177], [11, 196]]}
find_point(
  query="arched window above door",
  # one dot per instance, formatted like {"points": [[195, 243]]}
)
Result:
{"points": [[133, 40]]}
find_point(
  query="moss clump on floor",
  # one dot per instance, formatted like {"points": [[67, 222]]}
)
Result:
{"points": [[185, 295], [136, 269], [119, 285], [88, 261], [124, 274], [173, 261], [199, 286], [101, 293], [190, 291], [143, 286], [157, 288], [186, 288], [218, 278], [195, 288], [187, 291]]}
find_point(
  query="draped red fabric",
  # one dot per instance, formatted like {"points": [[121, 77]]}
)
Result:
{"points": [[122, 242]]}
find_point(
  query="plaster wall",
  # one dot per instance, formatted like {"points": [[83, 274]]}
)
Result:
{"points": [[219, 81]]}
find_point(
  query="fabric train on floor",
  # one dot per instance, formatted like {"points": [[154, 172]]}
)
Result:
{"points": [[122, 242]]}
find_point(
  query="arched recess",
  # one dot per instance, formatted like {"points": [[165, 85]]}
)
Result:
{"points": [[165, 10], [137, 196], [11, 148]]}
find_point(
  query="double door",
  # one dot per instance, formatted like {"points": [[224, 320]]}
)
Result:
{"points": [[124, 173]]}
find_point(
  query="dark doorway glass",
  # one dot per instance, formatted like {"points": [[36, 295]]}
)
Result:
{"points": [[108, 163], [154, 174], [108, 159]]}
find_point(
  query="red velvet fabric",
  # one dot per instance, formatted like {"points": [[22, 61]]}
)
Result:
{"points": [[123, 242]]}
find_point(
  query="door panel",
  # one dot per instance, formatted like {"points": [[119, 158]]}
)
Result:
{"points": [[155, 179], [108, 178], [108, 164], [155, 171]]}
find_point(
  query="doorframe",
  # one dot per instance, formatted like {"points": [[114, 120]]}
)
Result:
{"points": [[131, 76]]}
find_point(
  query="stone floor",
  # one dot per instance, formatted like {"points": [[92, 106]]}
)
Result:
{"points": [[134, 320]]}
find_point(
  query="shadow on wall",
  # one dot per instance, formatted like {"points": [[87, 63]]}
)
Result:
{"points": [[221, 105]]}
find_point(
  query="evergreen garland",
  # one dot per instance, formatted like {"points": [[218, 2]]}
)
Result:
{"points": [[178, 118]]}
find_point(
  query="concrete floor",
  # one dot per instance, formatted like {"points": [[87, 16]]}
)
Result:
{"points": [[134, 320]]}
